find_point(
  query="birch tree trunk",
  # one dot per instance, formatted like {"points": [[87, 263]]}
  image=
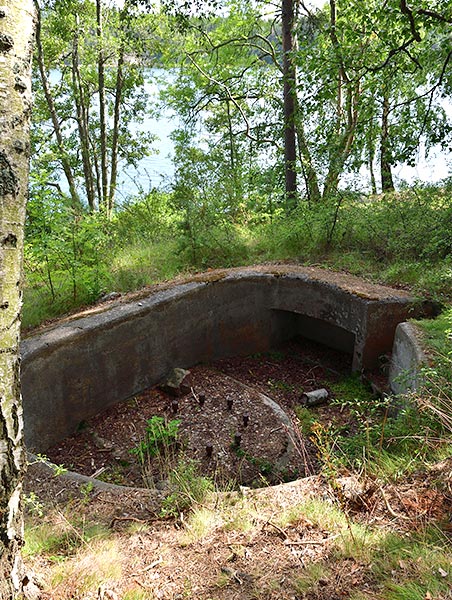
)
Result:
{"points": [[82, 109], [103, 200], [16, 34], [387, 182]]}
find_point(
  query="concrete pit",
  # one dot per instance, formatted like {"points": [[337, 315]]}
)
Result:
{"points": [[80, 366]]}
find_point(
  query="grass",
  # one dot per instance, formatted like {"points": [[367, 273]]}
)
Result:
{"points": [[438, 332], [396, 564], [313, 577], [188, 487], [58, 537], [93, 566], [201, 523], [139, 247]]}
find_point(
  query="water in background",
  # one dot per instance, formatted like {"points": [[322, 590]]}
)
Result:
{"points": [[157, 169]]}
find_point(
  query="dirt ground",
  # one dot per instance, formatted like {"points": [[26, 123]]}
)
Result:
{"points": [[270, 451]]}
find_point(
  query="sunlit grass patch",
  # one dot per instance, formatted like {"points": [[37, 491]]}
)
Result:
{"points": [[200, 524], [96, 564], [395, 564], [57, 537]]}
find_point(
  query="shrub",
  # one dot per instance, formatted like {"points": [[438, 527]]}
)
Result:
{"points": [[160, 438]]}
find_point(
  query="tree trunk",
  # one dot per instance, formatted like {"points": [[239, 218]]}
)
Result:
{"points": [[115, 133], [76, 203], [82, 121], [347, 105], [387, 183], [16, 33], [370, 145], [289, 78], [341, 153], [309, 173], [117, 114], [102, 116]]}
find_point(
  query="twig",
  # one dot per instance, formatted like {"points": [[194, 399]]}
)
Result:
{"points": [[281, 531], [99, 471], [391, 511], [113, 521], [276, 429], [153, 564], [310, 542]]}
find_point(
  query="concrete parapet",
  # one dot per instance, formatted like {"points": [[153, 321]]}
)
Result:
{"points": [[77, 368]]}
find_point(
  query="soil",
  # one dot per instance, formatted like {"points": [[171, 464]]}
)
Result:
{"points": [[268, 451]]}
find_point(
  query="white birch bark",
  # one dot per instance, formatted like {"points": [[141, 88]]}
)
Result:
{"points": [[16, 39]]}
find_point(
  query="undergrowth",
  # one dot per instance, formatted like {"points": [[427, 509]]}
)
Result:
{"points": [[71, 260], [164, 463], [388, 438]]}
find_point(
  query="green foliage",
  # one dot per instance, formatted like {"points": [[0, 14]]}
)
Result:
{"points": [[265, 467], [86, 490], [438, 332], [56, 469], [33, 504], [66, 255], [306, 419], [148, 218], [96, 77], [209, 205], [188, 487], [383, 437], [435, 393], [70, 258], [160, 438], [353, 393]]}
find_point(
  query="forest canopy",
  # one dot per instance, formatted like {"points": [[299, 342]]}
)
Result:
{"points": [[290, 123]]}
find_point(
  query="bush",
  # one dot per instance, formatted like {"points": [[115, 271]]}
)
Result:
{"points": [[160, 438], [150, 218], [188, 487]]}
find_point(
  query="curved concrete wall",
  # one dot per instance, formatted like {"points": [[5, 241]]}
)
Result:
{"points": [[78, 368]]}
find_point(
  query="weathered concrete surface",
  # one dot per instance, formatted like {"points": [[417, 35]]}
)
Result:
{"points": [[407, 360], [79, 367]]}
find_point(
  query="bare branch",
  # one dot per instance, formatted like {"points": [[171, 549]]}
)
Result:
{"points": [[435, 15], [231, 98]]}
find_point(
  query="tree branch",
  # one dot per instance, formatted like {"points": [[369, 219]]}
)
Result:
{"points": [[409, 13], [231, 98]]}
